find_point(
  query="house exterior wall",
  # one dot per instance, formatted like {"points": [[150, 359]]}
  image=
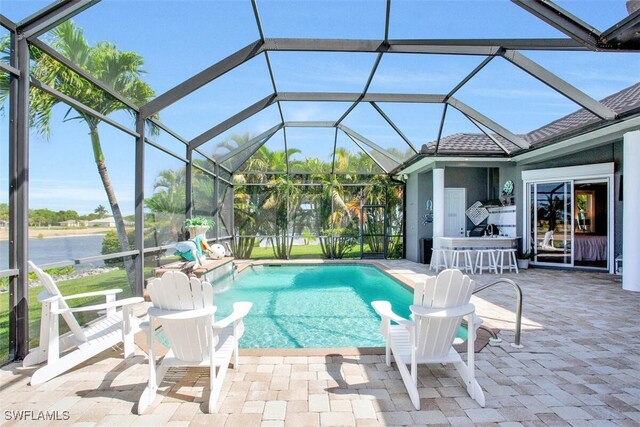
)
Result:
{"points": [[473, 179], [419, 189], [511, 172], [617, 202], [603, 154]]}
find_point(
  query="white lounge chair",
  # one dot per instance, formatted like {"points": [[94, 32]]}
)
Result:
{"points": [[547, 241], [81, 343], [183, 306], [440, 305]]}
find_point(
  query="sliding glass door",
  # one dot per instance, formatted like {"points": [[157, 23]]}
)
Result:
{"points": [[591, 213], [569, 223], [568, 216], [551, 222]]}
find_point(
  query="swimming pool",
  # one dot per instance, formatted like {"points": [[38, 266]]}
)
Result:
{"points": [[311, 306]]}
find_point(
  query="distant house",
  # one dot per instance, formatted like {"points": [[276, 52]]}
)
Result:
{"points": [[103, 222], [4, 224], [107, 222], [74, 223]]}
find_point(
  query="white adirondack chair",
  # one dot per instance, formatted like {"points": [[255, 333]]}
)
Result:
{"points": [[80, 343], [423, 294], [547, 241], [439, 306], [183, 306]]}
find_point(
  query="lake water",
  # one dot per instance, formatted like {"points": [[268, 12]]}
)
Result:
{"points": [[56, 249]]}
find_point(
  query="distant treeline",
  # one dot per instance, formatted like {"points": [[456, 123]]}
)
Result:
{"points": [[45, 217]]}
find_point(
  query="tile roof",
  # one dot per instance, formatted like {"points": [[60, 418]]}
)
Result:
{"points": [[463, 142], [621, 102]]}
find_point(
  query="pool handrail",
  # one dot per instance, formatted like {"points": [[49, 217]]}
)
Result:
{"points": [[516, 287]]}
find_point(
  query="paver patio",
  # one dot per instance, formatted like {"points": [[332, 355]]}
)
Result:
{"points": [[579, 366]]}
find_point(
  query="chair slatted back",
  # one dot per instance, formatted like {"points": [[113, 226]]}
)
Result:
{"points": [[50, 286], [450, 288], [176, 291]]}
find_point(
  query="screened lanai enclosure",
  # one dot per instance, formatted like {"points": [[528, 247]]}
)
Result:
{"points": [[287, 124]]}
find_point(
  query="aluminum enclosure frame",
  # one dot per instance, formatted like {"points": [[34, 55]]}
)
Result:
{"points": [[622, 36]]}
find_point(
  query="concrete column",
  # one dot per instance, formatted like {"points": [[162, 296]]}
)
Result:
{"points": [[438, 202], [414, 218], [630, 209]]}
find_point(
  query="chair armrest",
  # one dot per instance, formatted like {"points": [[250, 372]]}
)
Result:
{"points": [[462, 310], [94, 294], [159, 313], [45, 296], [383, 308], [240, 309], [477, 320], [113, 304]]}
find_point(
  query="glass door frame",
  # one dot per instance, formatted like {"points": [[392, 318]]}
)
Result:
{"points": [[599, 172], [529, 221]]}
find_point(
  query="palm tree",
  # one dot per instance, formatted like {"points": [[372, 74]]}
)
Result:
{"points": [[363, 164], [234, 141], [332, 213], [260, 211], [101, 211], [343, 156], [4, 77], [282, 198], [169, 192], [247, 202], [120, 70], [167, 205]]}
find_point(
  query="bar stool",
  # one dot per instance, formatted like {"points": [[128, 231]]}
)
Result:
{"points": [[492, 265], [438, 259], [511, 259], [466, 256]]}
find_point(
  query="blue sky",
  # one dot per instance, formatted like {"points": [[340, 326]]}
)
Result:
{"points": [[62, 170]]}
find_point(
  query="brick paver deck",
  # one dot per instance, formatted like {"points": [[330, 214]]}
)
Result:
{"points": [[580, 366]]}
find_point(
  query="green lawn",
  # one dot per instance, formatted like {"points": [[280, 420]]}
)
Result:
{"points": [[305, 252], [109, 280], [301, 252]]}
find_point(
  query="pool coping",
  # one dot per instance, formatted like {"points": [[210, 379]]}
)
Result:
{"points": [[241, 265], [344, 351]]}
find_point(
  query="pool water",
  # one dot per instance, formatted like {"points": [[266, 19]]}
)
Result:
{"points": [[311, 306]]}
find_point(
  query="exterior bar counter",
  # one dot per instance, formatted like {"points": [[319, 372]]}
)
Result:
{"points": [[450, 244], [494, 242]]}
